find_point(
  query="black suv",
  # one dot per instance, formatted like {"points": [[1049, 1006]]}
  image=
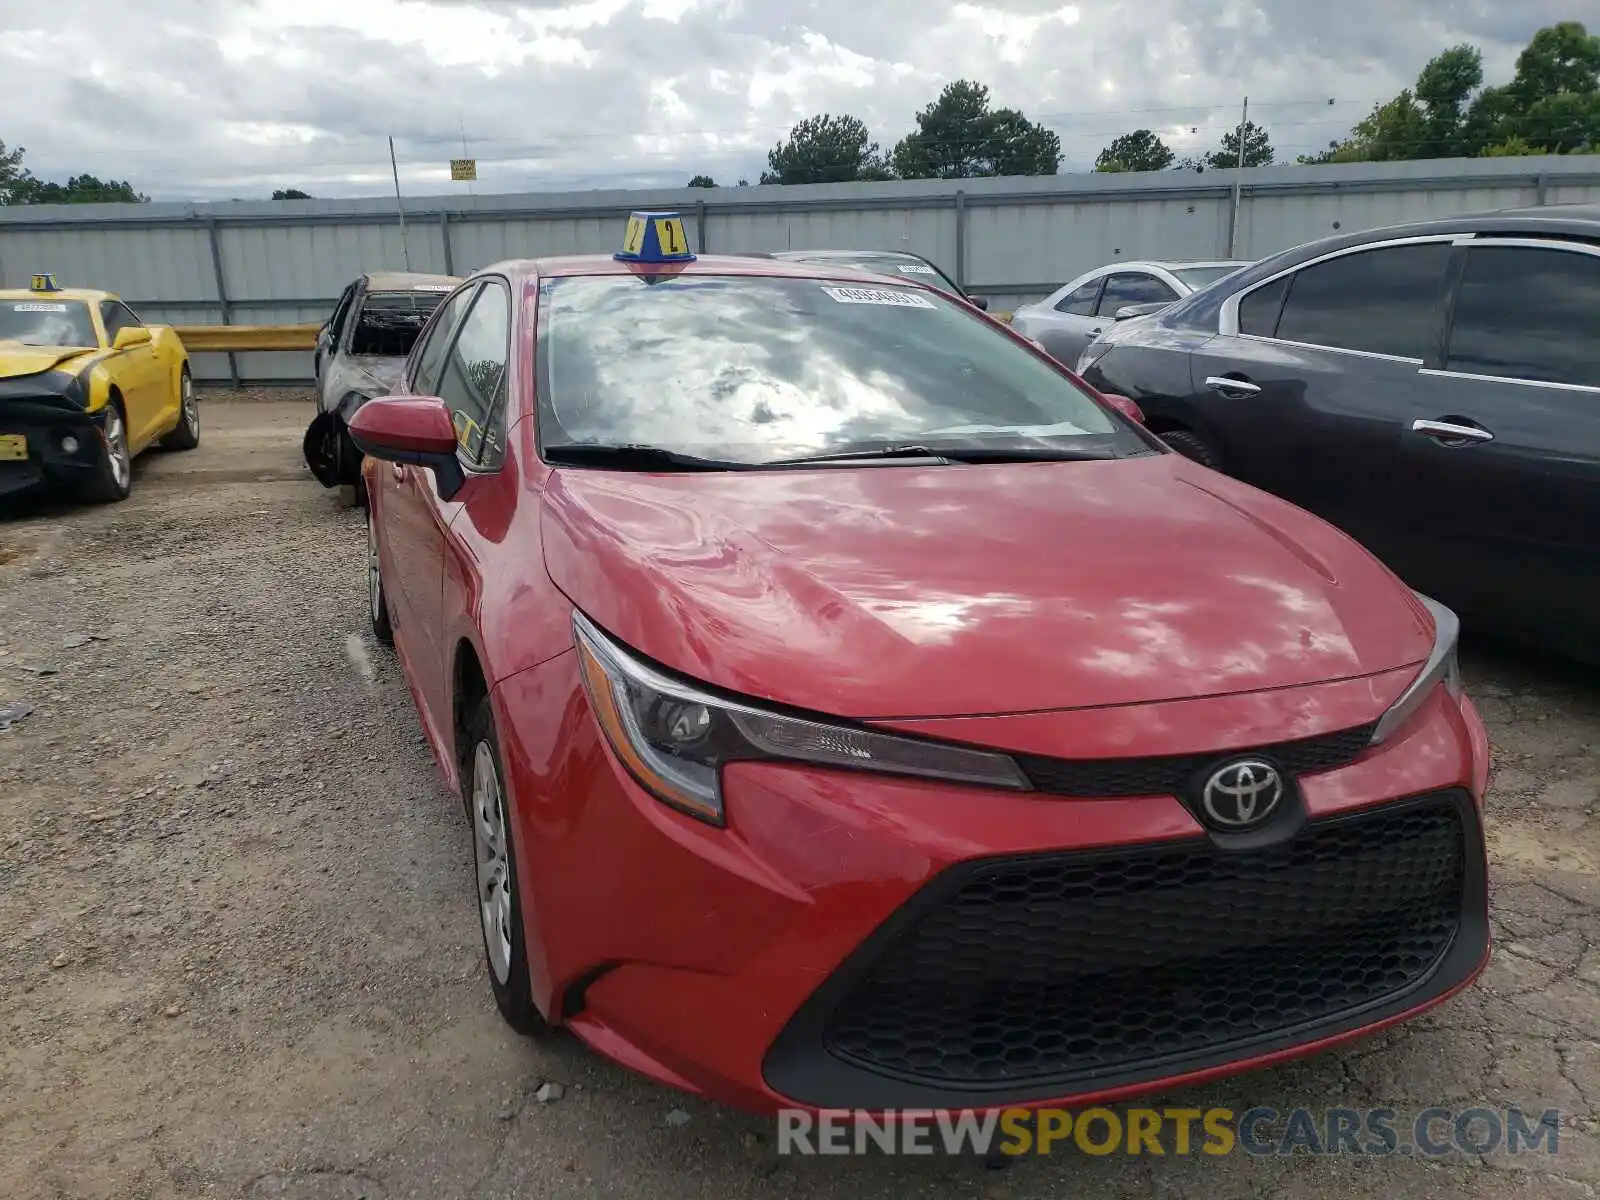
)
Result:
{"points": [[1432, 388]]}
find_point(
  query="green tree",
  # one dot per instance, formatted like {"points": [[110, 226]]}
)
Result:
{"points": [[13, 175], [1512, 148], [703, 181], [83, 189], [1140, 150], [1443, 90], [825, 149], [959, 136], [290, 194], [1257, 149], [1551, 105]]}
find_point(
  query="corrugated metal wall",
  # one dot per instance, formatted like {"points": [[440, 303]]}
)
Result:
{"points": [[1009, 239]]}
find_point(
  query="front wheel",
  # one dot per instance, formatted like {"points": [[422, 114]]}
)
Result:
{"points": [[499, 890], [112, 478], [377, 599], [1193, 446], [186, 434]]}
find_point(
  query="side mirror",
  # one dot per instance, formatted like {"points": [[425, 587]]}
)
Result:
{"points": [[130, 335], [981, 303], [1125, 406], [411, 429]]}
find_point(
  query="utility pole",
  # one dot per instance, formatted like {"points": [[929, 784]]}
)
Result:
{"points": [[1233, 220], [399, 204], [464, 153]]}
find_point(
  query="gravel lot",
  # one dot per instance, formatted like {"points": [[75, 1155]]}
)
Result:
{"points": [[238, 954]]}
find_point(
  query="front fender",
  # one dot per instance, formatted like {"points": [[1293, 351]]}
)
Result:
{"points": [[98, 383], [170, 349]]}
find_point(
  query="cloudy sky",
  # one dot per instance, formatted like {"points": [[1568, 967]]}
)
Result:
{"points": [[217, 99]]}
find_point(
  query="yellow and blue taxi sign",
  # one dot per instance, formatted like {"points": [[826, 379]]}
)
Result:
{"points": [[45, 282], [655, 237]]}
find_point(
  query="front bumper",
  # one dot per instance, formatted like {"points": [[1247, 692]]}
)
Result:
{"points": [[855, 942], [44, 425]]}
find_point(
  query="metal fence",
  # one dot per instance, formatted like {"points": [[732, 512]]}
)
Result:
{"points": [[285, 262]]}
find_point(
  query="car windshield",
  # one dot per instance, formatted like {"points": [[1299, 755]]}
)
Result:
{"points": [[910, 268], [46, 323], [755, 370], [389, 323], [1198, 277]]}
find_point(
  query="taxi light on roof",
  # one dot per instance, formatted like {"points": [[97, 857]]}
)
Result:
{"points": [[655, 237], [45, 283]]}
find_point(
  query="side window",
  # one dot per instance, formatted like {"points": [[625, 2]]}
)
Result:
{"points": [[473, 382], [429, 354], [117, 316], [1132, 288], [1525, 313], [1080, 301], [1258, 311], [341, 310], [1383, 301]]}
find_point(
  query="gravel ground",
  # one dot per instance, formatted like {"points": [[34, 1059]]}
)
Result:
{"points": [[238, 954]]}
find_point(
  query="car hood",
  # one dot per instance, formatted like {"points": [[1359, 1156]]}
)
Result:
{"points": [[18, 360], [906, 591]]}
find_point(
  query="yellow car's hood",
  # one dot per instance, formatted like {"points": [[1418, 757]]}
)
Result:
{"points": [[17, 359]]}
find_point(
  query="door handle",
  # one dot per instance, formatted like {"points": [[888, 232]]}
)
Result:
{"points": [[1449, 431], [1232, 387]]}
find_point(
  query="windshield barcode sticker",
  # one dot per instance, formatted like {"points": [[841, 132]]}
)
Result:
{"points": [[915, 269], [855, 295], [38, 308]]}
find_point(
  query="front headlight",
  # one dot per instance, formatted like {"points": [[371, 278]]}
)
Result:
{"points": [[1442, 667], [1092, 354], [674, 738]]}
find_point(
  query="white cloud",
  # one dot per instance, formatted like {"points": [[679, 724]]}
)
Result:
{"points": [[198, 99]]}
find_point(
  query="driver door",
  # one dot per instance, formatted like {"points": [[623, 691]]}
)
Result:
{"points": [[147, 390], [328, 336]]}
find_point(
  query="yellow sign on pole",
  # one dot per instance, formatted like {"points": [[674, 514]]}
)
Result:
{"points": [[463, 169]]}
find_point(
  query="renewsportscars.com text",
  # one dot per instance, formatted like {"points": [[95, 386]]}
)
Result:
{"points": [[1376, 1132]]}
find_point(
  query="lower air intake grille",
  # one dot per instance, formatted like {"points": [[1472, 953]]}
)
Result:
{"points": [[1065, 968]]}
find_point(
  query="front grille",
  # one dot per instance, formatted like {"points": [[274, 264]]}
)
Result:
{"points": [[1167, 775], [1067, 968]]}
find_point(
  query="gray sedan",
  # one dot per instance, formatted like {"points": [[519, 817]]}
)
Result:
{"points": [[1068, 319]]}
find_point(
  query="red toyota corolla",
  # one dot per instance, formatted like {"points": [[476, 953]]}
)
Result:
{"points": [[855, 710]]}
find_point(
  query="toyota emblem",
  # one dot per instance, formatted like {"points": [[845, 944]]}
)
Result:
{"points": [[1242, 793]]}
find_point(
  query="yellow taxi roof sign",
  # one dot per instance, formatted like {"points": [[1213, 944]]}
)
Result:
{"points": [[45, 282], [655, 237]]}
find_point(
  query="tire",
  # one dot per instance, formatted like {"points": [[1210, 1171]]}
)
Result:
{"points": [[1193, 446], [113, 471], [377, 599], [186, 434], [498, 889]]}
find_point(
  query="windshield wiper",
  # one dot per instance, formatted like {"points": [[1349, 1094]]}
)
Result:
{"points": [[945, 456], [878, 452], [632, 457]]}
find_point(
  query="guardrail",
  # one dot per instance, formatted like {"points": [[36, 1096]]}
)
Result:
{"points": [[228, 339]]}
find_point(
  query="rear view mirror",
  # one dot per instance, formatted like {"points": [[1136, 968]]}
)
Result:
{"points": [[981, 303], [411, 429], [1139, 310], [1125, 406], [130, 335]]}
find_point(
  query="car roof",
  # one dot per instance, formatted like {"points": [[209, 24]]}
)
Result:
{"points": [[92, 295], [405, 281], [1550, 220], [705, 264], [1169, 264], [843, 255]]}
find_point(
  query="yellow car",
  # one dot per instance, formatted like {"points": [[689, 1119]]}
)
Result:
{"points": [[85, 385]]}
